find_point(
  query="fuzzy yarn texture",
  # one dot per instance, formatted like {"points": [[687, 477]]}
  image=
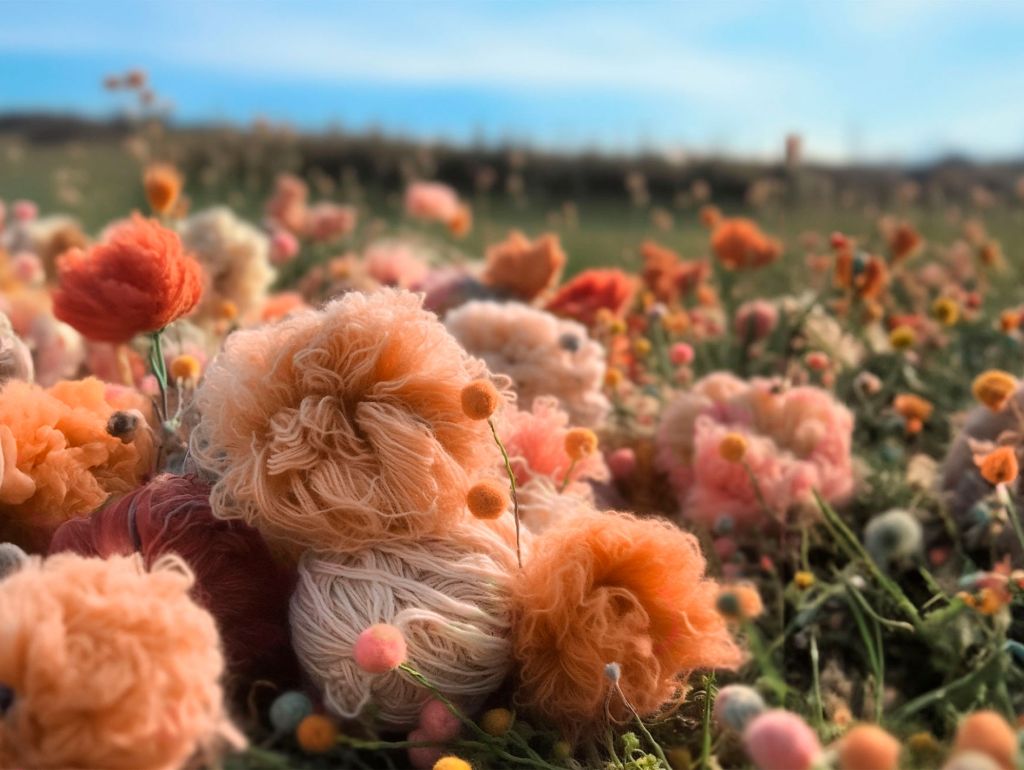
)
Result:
{"points": [[15, 357], [236, 578], [111, 667], [543, 355], [57, 460], [797, 440], [138, 280], [450, 598], [235, 257], [394, 262], [342, 428], [611, 588]]}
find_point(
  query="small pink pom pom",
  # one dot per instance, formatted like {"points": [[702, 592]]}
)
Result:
{"points": [[781, 740], [622, 463], [681, 354], [437, 722], [25, 211], [283, 247], [379, 649], [423, 757]]}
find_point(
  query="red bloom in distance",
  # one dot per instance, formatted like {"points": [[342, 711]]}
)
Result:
{"points": [[139, 280], [593, 290]]}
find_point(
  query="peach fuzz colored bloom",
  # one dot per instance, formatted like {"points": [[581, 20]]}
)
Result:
{"points": [[58, 461], [524, 269]]}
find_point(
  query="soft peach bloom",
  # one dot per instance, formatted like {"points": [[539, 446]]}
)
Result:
{"points": [[395, 263], [432, 201]]}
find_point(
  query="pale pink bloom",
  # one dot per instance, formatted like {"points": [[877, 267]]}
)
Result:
{"points": [[622, 463], [393, 263], [755, 320], [798, 440], [287, 206], [432, 201], [535, 441], [328, 221]]}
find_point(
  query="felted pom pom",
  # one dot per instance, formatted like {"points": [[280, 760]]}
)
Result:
{"points": [[781, 740], [438, 723], [736, 705], [580, 442], [342, 428], [479, 399], [988, 733], [452, 763], [316, 734], [868, 747], [892, 536], [497, 722], [423, 757], [488, 499], [12, 558], [602, 587], [288, 710], [379, 649]]}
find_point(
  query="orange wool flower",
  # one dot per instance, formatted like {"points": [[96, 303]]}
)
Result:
{"points": [[998, 466], [666, 275], [591, 291], [904, 242], [57, 459], [740, 244], [994, 388], [139, 280], [912, 407], [523, 269], [606, 588]]}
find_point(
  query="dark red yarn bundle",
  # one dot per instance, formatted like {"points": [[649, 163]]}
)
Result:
{"points": [[237, 579]]}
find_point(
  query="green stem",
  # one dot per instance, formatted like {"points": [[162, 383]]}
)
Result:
{"points": [[705, 730], [512, 486]]}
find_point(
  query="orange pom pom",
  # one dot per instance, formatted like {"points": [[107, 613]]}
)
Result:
{"points": [[580, 442], [868, 747], [316, 734], [479, 399], [185, 367], [487, 499], [988, 733], [163, 186]]}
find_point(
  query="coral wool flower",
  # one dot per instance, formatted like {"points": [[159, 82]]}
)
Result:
{"points": [[739, 244], [162, 183], [522, 268], [999, 466], [139, 280], [591, 291]]}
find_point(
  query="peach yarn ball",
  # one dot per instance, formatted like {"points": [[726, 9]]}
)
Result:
{"points": [[343, 427], [610, 588], [110, 666], [450, 598], [57, 460]]}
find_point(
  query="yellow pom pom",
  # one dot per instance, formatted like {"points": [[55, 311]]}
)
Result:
{"points": [[452, 763], [496, 722], [185, 368], [994, 388], [902, 337]]}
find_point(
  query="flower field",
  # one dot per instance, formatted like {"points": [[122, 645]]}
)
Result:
{"points": [[307, 468]]}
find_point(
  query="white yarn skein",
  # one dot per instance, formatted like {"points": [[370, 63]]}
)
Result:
{"points": [[450, 598]]}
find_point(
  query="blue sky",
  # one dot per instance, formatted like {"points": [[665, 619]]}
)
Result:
{"points": [[875, 79]]}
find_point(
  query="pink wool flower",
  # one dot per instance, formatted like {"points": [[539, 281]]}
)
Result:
{"points": [[798, 440], [781, 740], [394, 263], [379, 649], [755, 320], [535, 442], [328, 221], [432, 201]]}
